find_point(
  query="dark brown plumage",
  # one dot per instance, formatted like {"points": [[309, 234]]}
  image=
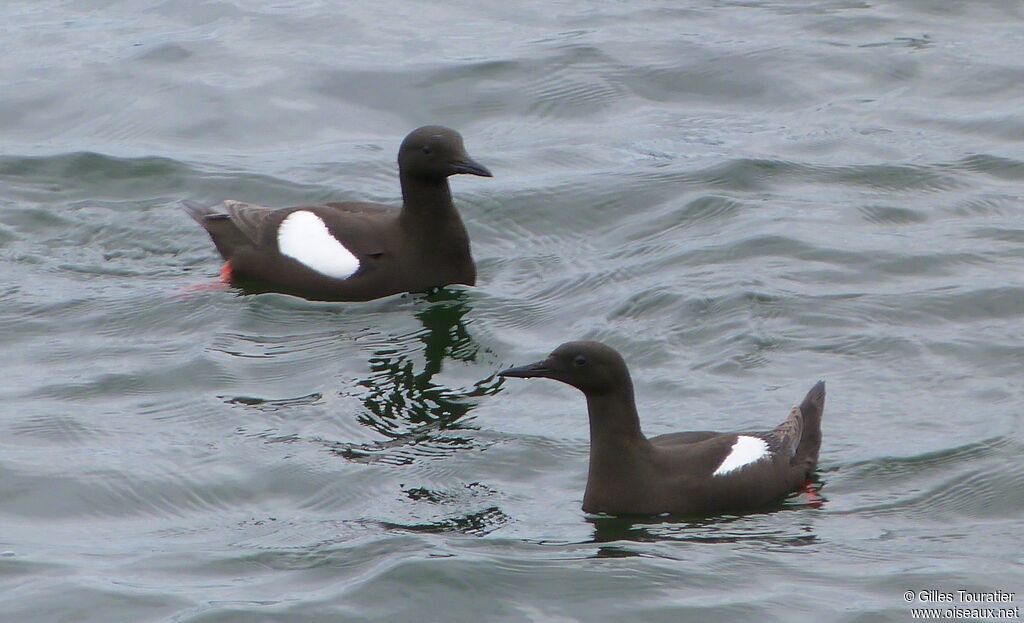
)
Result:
{"points": [[419, 246], [697, 472]]}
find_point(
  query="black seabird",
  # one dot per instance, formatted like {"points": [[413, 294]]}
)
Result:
{"points": [[354, 251], [692, 473]]}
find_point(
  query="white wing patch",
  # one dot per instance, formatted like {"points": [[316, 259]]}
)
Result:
{"points": [[745, 451], [303, 237]]}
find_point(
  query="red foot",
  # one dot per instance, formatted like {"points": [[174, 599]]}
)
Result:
{"points": [[225, 272], [221, 285], [813, 499]]}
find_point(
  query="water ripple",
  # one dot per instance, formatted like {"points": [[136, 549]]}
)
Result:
{"points": [[742, 198]]}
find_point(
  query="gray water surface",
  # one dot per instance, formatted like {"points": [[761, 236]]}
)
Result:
{"points": [[742, 197]]}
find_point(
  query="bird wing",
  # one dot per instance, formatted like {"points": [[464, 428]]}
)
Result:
{"points": [[251, 220], [704, 456], [787, 435], [705, 452], [358, 226]]}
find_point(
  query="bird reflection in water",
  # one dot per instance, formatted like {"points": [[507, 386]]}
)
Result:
{"points": [[402, 400], [614, 535]]}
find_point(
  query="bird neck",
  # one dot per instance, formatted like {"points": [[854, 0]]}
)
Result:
{"points": [[434, 232], [426, 201], [613, 419], [619, 453]]}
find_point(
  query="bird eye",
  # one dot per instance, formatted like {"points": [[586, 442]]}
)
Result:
{"points": [[580, 360], [427, 149]]}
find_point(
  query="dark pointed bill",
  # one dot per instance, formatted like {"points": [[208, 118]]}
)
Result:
{"points": [[471, 167], [531, 370]]}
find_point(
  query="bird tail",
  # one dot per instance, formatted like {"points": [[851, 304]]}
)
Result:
{"points": [[198, 212], [811, 410], [225, 234]]}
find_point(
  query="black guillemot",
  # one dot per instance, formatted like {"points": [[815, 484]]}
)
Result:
{"points": [[355, 251], [690, 473]]}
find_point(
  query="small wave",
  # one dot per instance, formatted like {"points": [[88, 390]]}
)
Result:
{"points": [[969, 480]]}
